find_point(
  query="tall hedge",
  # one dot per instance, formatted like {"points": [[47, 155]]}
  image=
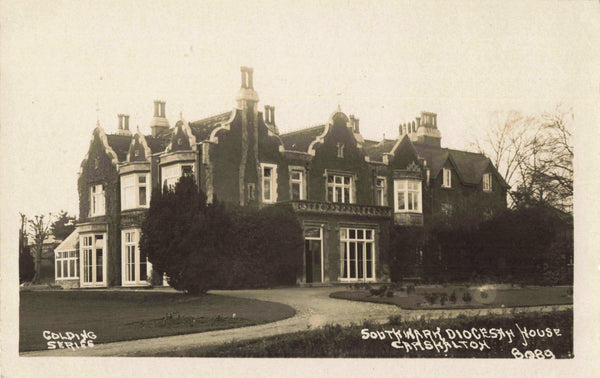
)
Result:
{"points": [[204, 246]]}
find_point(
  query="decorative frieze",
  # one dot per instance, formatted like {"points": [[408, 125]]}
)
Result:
{"points": [[341, 209], [408, 219]]}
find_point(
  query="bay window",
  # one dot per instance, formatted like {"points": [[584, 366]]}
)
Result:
{"points": [[93, 259], [408, 196], [135, 190], [135, 265], [171, 173]]}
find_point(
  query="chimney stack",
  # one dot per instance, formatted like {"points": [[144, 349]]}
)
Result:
{"points": [[247, 81], [123, 127], [159, 123]]}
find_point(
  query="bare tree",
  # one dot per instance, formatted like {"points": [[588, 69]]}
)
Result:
{"points": [[40, 230], [535, 156]]}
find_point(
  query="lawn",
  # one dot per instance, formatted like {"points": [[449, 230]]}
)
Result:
{"points": [[480, 297], [337, 341], [129, 315]]}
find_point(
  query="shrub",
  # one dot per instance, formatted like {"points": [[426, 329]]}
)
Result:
{"points": [[467, 297], [410, 289], [453, 297], [443, 298], [26, 266]]}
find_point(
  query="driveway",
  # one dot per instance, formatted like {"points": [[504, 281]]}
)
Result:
{"points": [[313, 307]]}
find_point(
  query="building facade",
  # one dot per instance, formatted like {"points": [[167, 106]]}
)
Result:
{"points": [[346, 191]]}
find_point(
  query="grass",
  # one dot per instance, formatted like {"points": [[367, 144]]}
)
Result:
{"points": [[337, 341], [130, 315], [517, 297]]}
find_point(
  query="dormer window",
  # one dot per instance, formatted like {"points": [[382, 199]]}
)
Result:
{"points": [[447, 179], [340, 150], [97, 205], [487, 182]]}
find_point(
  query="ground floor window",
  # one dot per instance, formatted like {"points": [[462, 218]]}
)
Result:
{"points": [[135, 265], [67, 264], [93, 259], [357, 254]]}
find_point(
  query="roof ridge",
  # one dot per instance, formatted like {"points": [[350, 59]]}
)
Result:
{"points": [[301, 130], [209, 118]]}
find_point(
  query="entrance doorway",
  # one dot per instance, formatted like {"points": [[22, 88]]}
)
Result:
{"points": [[313, 254]]}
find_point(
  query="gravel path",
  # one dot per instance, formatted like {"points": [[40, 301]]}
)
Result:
{"points": [[313, 307]]}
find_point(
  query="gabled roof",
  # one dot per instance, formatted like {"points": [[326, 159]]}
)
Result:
{"points": [[204, 127], [300, 140], [376, 149], [120, 144], [470, 165]]}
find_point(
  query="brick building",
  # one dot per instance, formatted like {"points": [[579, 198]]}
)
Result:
{"points": [[346, 191]]}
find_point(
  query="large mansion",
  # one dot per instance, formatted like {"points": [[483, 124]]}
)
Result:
{"points": [[345, 190]]}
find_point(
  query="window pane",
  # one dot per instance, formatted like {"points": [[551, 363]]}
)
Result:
{"points": [[312, 232], [352, 234], [330, 194], [267, 189], [338, 179], [267, 172], [346, 180], [72, 268], [142, 179], [344, 252], [142, 196], [296, 175], [352, 260], [58, 269], [347, 195], [330, 179], [401, 201], [360, 259], [360, 234], [343, 233], [99, 272], [295, 191]]}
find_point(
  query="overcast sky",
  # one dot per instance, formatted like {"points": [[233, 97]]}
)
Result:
{"points": [[382, 61]]}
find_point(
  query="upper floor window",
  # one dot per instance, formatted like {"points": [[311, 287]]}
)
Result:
{"points": [[447, 182], [269, 182], [408, 196], [487, 182], [172, 173], [340, 150], [135, 191], [97, 206], [339, 188], [380, 191], [446, 208], [297, 184]]}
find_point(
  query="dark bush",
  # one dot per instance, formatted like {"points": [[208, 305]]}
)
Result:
{"points": [[204, 246], [26, 266], [467, 297], [453, 297]]}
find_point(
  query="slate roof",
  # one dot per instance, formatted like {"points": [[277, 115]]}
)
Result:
{"points": [[120, 144], [300, 140], [204, 127], [376, 149], [470, 165]]}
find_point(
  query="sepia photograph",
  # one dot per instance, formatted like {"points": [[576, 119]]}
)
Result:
{"points": [[284, 188]]}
